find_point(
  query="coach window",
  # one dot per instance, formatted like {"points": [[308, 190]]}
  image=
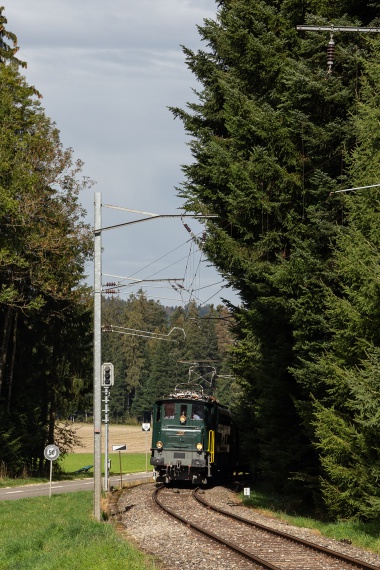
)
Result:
{"points": [[158, 414], [197, 412], [169, 410]]}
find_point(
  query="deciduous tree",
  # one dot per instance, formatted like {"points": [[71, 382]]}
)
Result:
{"points": [[44, 244]]}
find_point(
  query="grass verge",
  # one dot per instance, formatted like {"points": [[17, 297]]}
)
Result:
{"points": [[60, 534], [362, 535]]}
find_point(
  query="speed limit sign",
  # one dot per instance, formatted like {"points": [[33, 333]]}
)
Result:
{"points": [[51, 452]]}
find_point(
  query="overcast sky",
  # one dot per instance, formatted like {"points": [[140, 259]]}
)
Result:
{"points": [[107, 72]]}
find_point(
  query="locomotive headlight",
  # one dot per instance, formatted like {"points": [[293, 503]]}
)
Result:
{"points": [[159, 445], [199, 446]]}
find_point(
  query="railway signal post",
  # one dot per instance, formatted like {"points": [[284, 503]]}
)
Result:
{"points": [[107, 382]]}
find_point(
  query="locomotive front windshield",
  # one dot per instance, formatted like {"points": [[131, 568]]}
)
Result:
{"points": [[197, 412], [181, 411], [169, 410]]}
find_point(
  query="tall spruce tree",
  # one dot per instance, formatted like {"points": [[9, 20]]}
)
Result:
{"points": [[272, 136], [347, 419]]}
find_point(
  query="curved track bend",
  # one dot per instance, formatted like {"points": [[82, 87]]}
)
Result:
{"points": [[264, 547]]}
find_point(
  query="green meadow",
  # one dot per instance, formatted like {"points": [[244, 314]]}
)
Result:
{"points": [[61, 534], [130, 462]]}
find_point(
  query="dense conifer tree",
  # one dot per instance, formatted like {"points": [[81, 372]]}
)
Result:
{"points": [[273, 136], [347, 418]]}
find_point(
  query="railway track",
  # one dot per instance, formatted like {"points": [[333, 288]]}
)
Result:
{"points": [[262, 546]]}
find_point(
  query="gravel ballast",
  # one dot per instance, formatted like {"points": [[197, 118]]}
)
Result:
{"points": [[177, 546]]}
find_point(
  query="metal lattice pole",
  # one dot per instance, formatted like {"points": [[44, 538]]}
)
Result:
{"points": [[97, 355]]}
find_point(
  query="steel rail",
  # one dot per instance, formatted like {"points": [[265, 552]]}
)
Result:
{"points": [[343, 557], [210, 534]]}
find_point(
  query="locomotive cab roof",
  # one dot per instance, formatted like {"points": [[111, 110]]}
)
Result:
{"points": [[190, 392]]}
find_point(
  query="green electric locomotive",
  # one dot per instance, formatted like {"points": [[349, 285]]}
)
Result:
{"points": [[194, 438]]}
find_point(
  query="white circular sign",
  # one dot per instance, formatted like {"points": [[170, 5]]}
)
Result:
{"points": [[51, 452]]}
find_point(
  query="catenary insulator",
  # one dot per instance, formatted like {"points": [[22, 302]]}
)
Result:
{"points": [[330, 54]]}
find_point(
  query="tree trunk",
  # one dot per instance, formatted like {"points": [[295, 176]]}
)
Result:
{"points": [[14, 342], [4, 344]]}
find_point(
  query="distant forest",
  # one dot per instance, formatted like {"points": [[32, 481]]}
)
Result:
{"points": [[149, 368]]}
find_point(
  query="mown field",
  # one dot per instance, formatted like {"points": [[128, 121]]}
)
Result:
{"points": [[135, 459], [136, 440]]}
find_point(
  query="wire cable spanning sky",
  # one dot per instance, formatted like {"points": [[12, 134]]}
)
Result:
{"points": [[108, 72]]}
